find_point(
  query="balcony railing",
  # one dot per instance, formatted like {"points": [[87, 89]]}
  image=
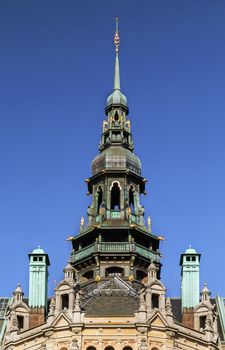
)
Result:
{"points": [[114, 247]]}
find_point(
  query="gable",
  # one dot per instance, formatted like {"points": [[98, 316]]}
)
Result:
{"points": [[61, 321], [158, 320]]}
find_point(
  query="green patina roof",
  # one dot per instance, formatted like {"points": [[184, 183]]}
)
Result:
{"points": [[38, 251], [190, 251]]}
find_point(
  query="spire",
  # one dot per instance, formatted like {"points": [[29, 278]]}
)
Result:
{"points": [[117, 98], [117, 66]]}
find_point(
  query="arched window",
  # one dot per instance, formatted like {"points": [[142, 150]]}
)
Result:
{"points": [[91, 348], [100, 197], [127, 348], [202, 320], [114, 271], [20, 320], [65, 301], [115, 196], [155, 301], [109, 348], [116, 116], [131, 198]]}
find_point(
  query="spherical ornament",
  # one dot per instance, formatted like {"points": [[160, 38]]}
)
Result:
{"points": [[97, 278]]}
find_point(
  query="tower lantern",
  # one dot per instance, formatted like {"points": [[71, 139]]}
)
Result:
{"points": [[38, 278]]}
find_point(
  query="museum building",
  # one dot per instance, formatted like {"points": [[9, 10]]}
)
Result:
{"points": [[111, 296]]}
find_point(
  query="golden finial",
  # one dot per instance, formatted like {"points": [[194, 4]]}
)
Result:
{"points": [[116, 36]]}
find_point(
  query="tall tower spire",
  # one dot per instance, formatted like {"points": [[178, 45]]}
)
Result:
{"points": [[117, 66], [115, 241], [116, 98]]}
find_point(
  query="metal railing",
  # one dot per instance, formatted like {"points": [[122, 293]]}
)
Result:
{"points": [[115, 247]]}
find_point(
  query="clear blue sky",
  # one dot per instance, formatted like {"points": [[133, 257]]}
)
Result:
{"points": [[56, 70]]}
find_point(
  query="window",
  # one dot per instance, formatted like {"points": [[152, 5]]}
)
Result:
{"points": [[99, 193], [116, 116], [202, 321], [188, 258], [155, 301], [193, 258], [109, 348], [115, 196], [114, 271], [20, 320], [65, 301], [91, 348], [34, 258], [40, 258], [127, 348], [131, 198]]}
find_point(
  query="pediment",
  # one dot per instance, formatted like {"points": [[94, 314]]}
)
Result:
{"points": [[157, 320], [61, 320]]}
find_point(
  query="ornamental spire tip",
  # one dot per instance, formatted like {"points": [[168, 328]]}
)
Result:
{"points": [[117, 69]]}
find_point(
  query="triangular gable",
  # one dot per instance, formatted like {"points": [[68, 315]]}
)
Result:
{"points": [[61, 320], [157, 320]]}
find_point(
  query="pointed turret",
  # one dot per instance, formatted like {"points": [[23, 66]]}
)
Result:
{"points": [[205, 294], [18, 294]]}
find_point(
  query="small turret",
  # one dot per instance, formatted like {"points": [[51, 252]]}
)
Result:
{"points": [[18, 294], [152, 272], [69, 272], [205, 295]]}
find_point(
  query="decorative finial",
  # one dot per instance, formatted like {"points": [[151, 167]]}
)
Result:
{"points": [[149, 224], [116, 36], [190, 246], [82, 223]]}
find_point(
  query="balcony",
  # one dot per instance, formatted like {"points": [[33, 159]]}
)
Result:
{"points": [[114, 247]]}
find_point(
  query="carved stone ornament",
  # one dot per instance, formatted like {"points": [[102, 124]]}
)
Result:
{"points": [[171, 334], [76, 330], [43, 346], [142, 330], [74, 345], [143, 345], [48, 334]]}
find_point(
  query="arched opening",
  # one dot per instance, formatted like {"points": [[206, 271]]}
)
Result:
{"points": [[114, 271], [131, 198], [202, 320], [109, 348], [140, 275], [20, 321], [65, 301], [155, 301], [91, 348], [127, 348], [116, 116], [87, 276], [99, 198], [115, 196]]}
